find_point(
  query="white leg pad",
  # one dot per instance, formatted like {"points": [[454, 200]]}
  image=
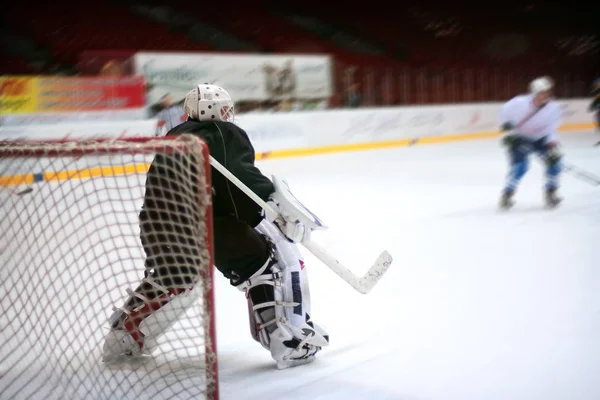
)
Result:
{"points": [[131, 338], [281, 321], [162, 320]]}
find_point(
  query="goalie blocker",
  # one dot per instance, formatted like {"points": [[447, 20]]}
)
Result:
{"points": [[258, 255]]}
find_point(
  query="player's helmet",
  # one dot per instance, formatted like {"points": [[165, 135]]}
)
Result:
{"points": [[209, 103], [541, 84]]}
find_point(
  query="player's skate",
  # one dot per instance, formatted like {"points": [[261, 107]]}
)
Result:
{"points": [[135, 328], [552, 199], [279, 305], [506, 201]]}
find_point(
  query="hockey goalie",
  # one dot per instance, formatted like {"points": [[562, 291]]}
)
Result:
{"points": [[256, 252]]}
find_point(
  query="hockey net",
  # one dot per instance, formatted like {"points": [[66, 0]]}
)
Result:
{"points": [[70, 251]]}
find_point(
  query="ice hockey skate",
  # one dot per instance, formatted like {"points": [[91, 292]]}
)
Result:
{"points": [[506, 200], [552, 199]]}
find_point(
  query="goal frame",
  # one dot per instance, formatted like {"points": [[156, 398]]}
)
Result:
{"points": [[183, 143]]}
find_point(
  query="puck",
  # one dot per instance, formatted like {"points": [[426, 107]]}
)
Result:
{"points": [[22, 192]]}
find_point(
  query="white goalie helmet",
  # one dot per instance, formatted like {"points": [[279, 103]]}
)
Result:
{"points": [[209, 103], [541, 84]]}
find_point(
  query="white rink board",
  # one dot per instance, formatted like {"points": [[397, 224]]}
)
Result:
{"points": [[54, 118], [313, 129], [272, 132], [74, 131], [81, 130]]}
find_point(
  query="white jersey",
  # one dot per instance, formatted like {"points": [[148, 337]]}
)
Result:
{"points": [[544, 123]]}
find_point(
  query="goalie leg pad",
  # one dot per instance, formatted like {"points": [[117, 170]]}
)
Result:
{"points": [[170, 277], [279, 304], [136, 328]]}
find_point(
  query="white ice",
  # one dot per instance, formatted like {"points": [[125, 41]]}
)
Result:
{"points": [[478, 304]]}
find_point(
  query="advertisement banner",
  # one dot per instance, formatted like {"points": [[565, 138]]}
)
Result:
{"points": [[245, 77], [18, 95], [42, 94]]}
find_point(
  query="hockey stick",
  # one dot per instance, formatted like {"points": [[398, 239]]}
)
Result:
{"points": [[578, 173], [361, 284], [583, 175]]}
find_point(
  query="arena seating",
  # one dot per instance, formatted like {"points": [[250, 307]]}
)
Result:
{"points": [[433, 46]]}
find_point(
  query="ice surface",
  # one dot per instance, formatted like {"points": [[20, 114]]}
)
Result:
{"points": [[478, 304]]}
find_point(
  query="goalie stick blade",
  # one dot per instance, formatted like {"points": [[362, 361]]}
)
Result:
{"points": [[379, 268], [362, 285]]}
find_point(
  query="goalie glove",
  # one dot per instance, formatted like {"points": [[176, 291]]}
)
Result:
{"points": [[293, 219], [293, 229]]}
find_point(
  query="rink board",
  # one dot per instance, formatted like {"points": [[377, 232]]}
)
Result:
{"points": [[301, 133], [305, 133]]}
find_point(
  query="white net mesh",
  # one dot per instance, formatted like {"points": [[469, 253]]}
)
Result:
{"points": [[73, 242]]}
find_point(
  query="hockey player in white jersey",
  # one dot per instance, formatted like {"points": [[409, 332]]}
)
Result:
{"points": [[256, 252], [530, 123]]}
